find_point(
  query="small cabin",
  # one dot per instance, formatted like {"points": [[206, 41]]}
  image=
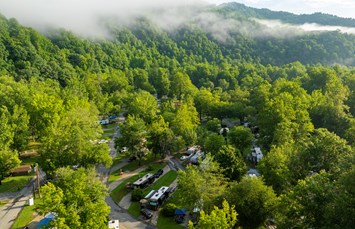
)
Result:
{"points": [[21, 170]]}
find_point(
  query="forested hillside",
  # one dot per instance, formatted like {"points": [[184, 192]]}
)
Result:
{"points": [[296, 91]]}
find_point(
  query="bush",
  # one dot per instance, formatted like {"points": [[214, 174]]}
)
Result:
{"points": [[169, 210], [137, 194]]}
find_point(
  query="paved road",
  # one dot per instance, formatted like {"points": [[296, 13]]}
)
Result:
{"points": [[10, 211], [126, 220], [17, 201]]}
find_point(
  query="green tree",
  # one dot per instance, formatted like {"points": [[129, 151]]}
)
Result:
{"points": [[134, 135], [6, 134], [213, 125], [185, 122], [305, 204], [160, 137], [274, 168], [241, 138], [213, 143], [78, 199], [161, 81], [226, 217], [142, 104], [323, 151], [8, 161], [340, 211], [200, 187], [231, 161], [181, 86], [284, 116], [71, 140], [253, 200]]}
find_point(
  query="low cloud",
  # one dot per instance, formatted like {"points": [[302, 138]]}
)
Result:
{"points": [[86, 17]]}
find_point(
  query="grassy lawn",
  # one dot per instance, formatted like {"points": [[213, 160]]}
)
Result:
{"points": [[25, 217], [165, 180], [2, 203], [14, 184], [29, 160], [167, 222], [135, 164], [134, 209], [108, 132], [109, 126], [120, 157], [114, 176]]}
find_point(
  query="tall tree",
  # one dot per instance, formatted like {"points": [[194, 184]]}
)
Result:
{"points": [[160, 137], [8, 161], [77, 198], [134, 136], [242, 138], [185, 122], [200, 187], [305, 205], [181, 86], [71, 140], [253, 200], [225, 217], [142, 104], [232, 163]]}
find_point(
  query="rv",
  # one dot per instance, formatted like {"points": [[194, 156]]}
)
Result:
{"points": [[144, 181], [157, 197]]}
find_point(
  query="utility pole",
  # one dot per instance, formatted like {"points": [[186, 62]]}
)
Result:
{"points": [[38, 180]]}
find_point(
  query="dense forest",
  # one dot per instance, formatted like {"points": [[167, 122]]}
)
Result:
{"points": [[176, 88]]}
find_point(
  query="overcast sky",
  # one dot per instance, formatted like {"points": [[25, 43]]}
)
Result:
{"points": [[342, 8]]}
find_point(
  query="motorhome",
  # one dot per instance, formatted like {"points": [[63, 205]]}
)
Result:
{"points": [[157, 197], [144, 181]]}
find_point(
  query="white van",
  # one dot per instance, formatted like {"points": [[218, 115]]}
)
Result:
{"points": [[114, 224]]}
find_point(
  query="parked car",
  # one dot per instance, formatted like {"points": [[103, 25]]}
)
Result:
{"points": [[158, 173], [132, 158], [146, 213], [124, 149]]}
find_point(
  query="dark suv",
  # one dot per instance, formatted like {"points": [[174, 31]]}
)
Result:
{"points": [[146, 213], [158, 173]]}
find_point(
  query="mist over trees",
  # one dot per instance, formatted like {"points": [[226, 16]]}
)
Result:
{"points": [[178, 88]]}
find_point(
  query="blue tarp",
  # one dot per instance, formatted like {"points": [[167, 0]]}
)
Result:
{"points": [[180, 212], [44, 222]]}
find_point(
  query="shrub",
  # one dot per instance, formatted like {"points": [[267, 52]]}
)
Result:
{"points": [[137, 194], [169, 210]]}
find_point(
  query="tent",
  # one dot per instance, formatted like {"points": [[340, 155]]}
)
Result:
{"points": [[179, 215], [46, 220]]}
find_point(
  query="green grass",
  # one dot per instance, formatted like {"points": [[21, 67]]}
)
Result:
{"points": [[167, 222], [174, 199], [114, 176], [26, 216], [134, 209], [135, 164], [2, 203], [120, 157], [14, 184], [30, 160], [109, 131], [165, 180], [109, 126]]}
